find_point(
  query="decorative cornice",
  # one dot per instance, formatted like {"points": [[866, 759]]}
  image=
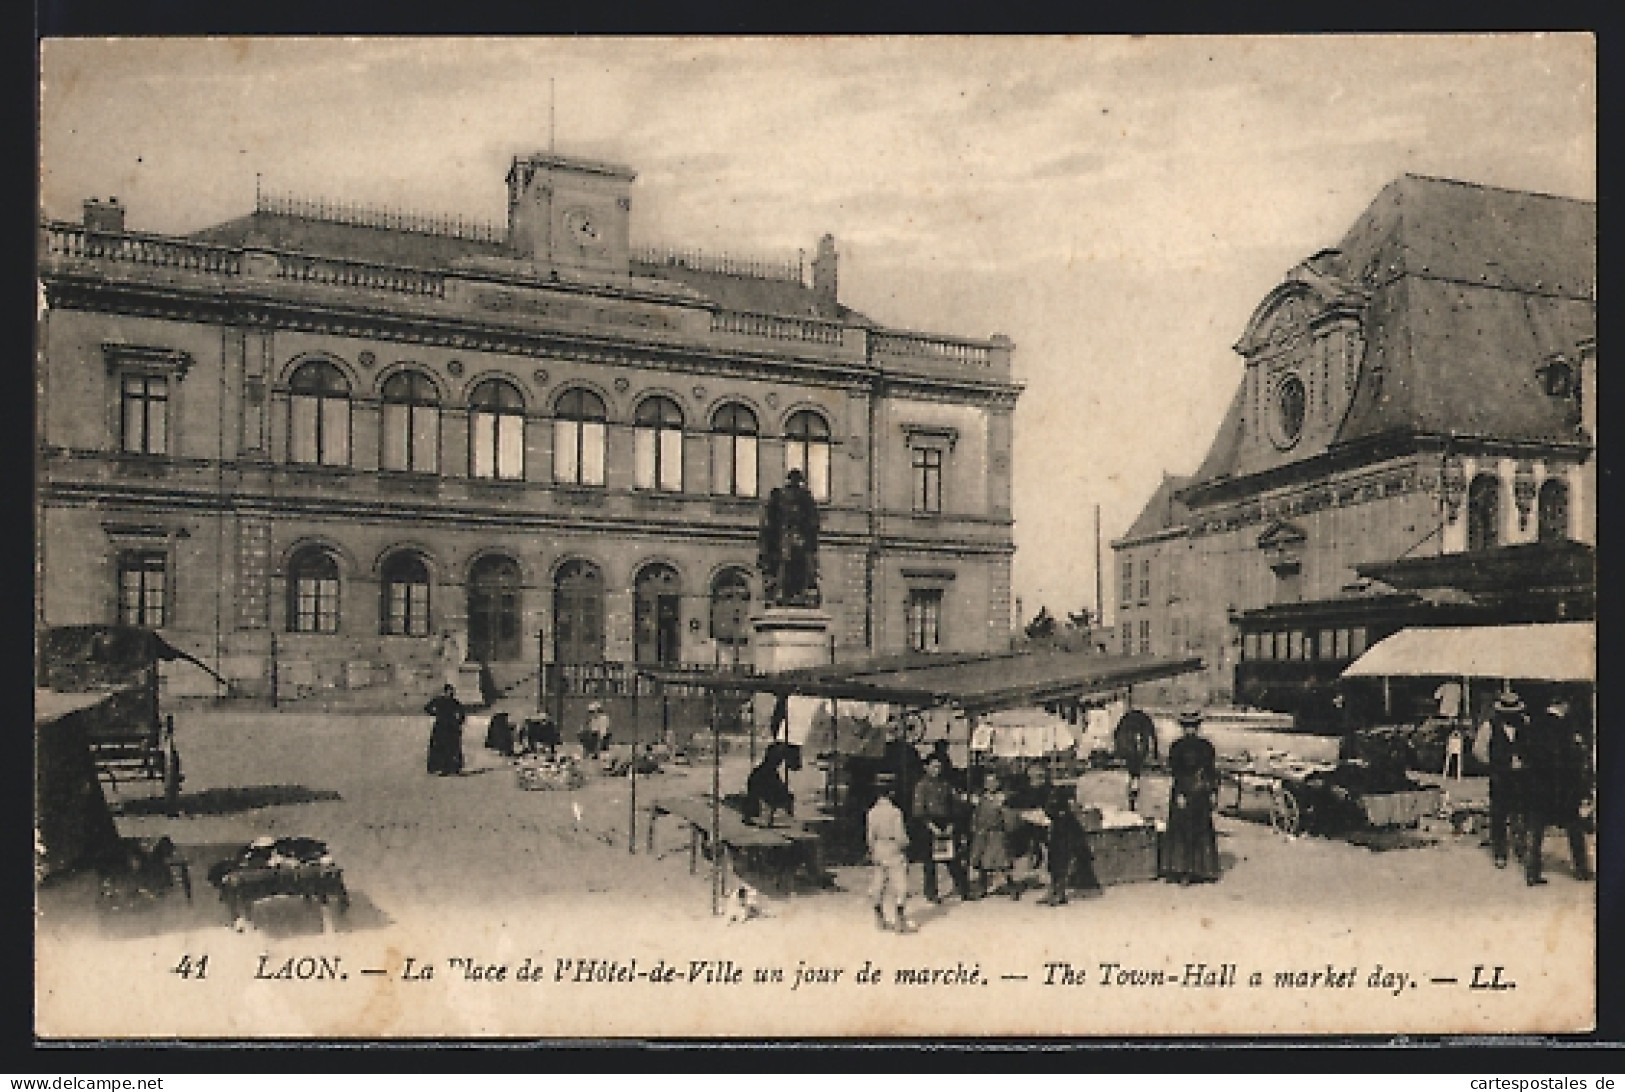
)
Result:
{"points": [[118, 355], [939, 433]]}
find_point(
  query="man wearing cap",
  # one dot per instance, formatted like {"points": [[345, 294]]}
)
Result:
{"points": [[1506, 754], [935, 812], [887, 838], [1192, 847], [595, 733]]}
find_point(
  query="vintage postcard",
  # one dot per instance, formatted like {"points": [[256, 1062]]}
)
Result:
{"points": [[864, 538]]}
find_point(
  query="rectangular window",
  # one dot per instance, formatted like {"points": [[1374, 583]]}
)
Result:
{"points": [[141, 588], [1145, 636], [643, 458], [302, 434], [316, 605], [812, 459], [1327, 649], [510, 447], [1145, 581], [733, 466], [1357, 641], [578, 452], [411, 438], [498, 443], [393, 455], [1300, 650], [671, 460], [409, 609], [1128, 638], [1340, 649], [1249, 647], [927, 464], [145, 415], [425, 439], [1128, 581], [925, 619], [818, 471]]}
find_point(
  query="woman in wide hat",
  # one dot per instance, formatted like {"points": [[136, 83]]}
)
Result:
{"points": [[1191, 848]]}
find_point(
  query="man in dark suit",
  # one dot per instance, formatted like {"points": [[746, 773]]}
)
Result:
{"points": [[1555, 787], [1508, 728]]}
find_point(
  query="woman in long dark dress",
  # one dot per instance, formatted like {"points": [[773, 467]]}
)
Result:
{"points": [[1192, 848], [446, 737]]}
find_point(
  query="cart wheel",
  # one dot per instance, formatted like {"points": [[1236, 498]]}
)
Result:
{"points": [[1285, 815], [914, 728]]}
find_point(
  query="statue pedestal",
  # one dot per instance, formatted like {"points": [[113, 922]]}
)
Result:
{"points": [[790, 637], [467, 683]]}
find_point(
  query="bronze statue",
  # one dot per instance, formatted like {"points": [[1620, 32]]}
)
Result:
{"points": [[787, 549]]}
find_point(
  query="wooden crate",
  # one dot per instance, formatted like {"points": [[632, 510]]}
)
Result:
{"points": [[1124, 854]]}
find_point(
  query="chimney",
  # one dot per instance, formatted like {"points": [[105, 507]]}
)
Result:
{"points": [[107, 217], [823, 271]]}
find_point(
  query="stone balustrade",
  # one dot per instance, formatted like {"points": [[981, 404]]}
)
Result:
{"points": [[352, 274], [966, 353], [72, 241], [776, 327]]}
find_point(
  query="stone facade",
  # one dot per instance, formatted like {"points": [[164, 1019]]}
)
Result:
{"points": [[189, 474]]}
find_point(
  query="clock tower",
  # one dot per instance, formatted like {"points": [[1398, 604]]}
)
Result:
{"points": [[570, 215]]}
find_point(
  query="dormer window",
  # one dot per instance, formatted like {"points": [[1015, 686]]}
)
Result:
{"points": [[1556, 378]]}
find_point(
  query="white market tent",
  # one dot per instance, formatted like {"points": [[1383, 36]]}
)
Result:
{"points": [[1022, 733], [1548, 652]]}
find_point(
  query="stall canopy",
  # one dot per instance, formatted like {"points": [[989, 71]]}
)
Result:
{"points": [[1023, 733], [1551, 652], [975, 683]]}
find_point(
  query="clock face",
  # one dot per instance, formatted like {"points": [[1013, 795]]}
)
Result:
{"points": [[581, 227]]}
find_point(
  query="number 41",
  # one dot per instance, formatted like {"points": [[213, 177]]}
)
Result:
{"points": [[189, 967]]}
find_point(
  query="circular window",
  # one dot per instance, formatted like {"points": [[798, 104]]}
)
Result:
{"points": [[1290, 402]]}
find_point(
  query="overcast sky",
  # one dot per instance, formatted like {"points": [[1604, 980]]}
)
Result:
{"points": [[1116, 206]]}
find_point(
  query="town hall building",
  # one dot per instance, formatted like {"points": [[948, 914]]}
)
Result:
{"points": [[318, 445]]}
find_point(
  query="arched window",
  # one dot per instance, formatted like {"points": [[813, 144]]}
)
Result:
{"points": [[1484, 512], [313, 592], [405, 607], [657, 445], [319, 415], [1554, 509], [578, 438], [578, 613], [733, 451], [411, 424], [730, 607], [496, 431], [806, 448], [656, 623], [495, 607]]}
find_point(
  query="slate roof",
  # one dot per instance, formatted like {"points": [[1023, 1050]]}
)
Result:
{"points": [[325, 238], [1471, 288], [330, 239], [1163, 512]]}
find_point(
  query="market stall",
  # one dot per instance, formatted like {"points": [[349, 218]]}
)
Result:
{"points": [[968, 687]]}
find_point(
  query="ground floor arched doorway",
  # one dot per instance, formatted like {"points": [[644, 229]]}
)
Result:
{"points": [[495, 605]]}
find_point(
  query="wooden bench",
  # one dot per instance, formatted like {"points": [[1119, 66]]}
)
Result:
{"points": [[738, 838]]}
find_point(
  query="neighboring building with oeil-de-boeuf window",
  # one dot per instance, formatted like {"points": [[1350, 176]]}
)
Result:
{"points": [[1412, 440]]}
